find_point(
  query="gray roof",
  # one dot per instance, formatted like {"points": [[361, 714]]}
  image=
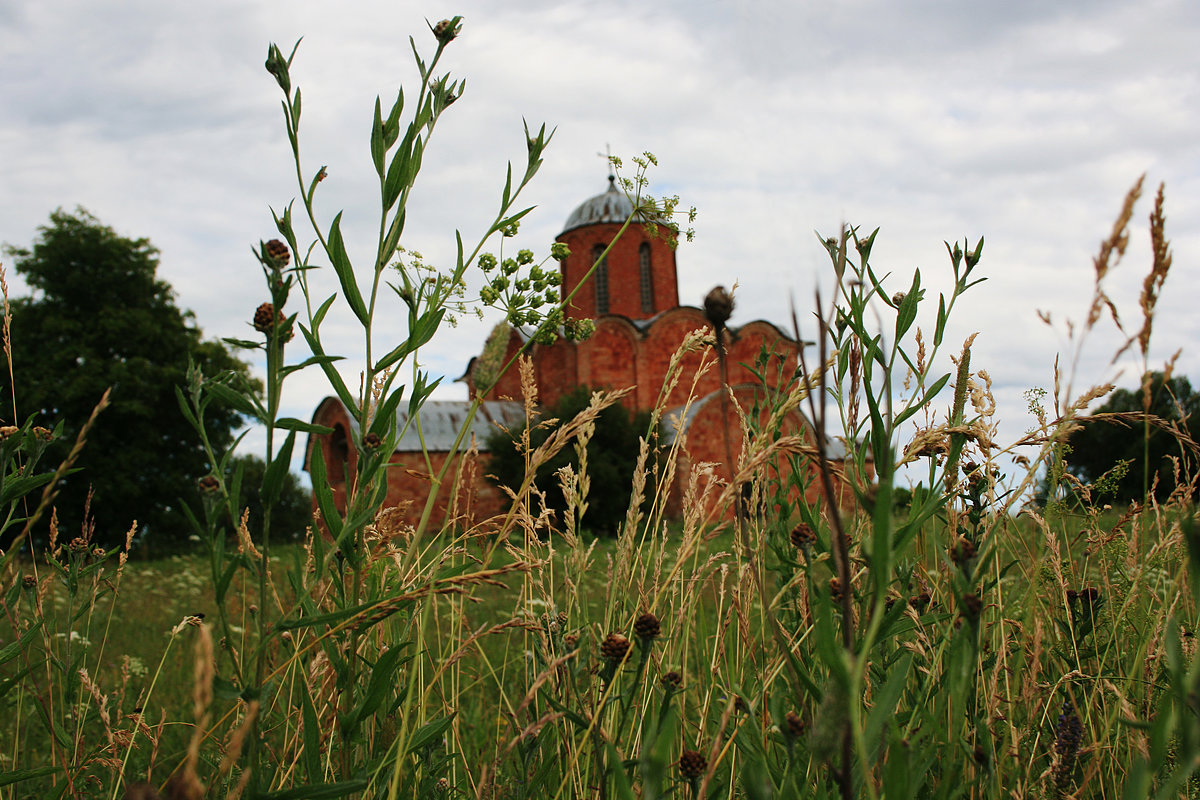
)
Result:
{"points": [[441, 421], [679, 420], [612, 206]]}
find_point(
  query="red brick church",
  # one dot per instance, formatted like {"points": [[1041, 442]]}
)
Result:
{"points": [[633, 300]]}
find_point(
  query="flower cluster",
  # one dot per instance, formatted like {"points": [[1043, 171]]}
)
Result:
{"points": [[529, 295]]}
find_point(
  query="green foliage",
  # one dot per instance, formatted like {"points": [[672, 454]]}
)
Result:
{"points": [[292, 512], [1126, 453], [100, 318], [612, 455]]}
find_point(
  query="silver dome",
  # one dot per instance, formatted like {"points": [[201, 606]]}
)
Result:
{"points": [[612, 206]]}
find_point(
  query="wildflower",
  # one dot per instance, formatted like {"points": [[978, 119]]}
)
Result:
{"points": [[447, 30], [265, 319], [919, 602], [898, 298], [372, 441], [559, 251], [29, 583], [671, 681], [614, 647], [692, 764], [209, 484], [277, 253], [803, 537], [647, 628], [570, 642], [7, 431], [44, 434]]}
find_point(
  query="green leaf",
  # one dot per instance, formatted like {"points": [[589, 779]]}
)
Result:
{"points": [[277, 470], [18, 775], [923, 403], [382, 679], [378, 149], [510, 220], [300, 426], [239, 402], [885, 702], [312, 737], [319, 791], [345, 272], [429, 733], [323, 493], [907, 313], [17, 487], [12, 650], [940, 331]]}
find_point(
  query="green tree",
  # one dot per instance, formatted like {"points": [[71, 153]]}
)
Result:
{"points": [[612, 456], [290, 515], [1102, 444], [100, 317]]}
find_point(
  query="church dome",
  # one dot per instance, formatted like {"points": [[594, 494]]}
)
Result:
{"points": [[612, 206]]}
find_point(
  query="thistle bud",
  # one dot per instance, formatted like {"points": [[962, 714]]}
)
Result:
{"points": [[447, 30], [647, 628], [692, 764], [277, 252], [614, 647]]}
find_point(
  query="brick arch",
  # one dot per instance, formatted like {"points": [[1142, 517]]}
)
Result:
{"points": [[609, 359], [661, 340], [745, 346]]}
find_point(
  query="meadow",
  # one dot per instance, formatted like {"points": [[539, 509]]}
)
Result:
{"points": [[972, 645]]}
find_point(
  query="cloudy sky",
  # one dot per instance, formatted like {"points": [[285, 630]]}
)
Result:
{"points": [[1022, 121]]}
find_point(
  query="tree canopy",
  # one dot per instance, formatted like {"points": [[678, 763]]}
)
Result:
{"points": [[612, 457], [1101, 444], [100, 317]]}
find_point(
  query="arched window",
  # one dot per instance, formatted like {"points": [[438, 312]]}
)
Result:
{"points": [[601, 280], [647, 279]]}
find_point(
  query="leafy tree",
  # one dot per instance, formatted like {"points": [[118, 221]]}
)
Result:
{"points": [[291, 514], [99, 317], [612, 457], [1101, 445]]}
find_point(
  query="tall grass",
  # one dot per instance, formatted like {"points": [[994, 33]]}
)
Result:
{"points": [[970, 647]]}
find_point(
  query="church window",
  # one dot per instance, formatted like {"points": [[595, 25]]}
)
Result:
{"points": [[647, 279], [601, 280]]}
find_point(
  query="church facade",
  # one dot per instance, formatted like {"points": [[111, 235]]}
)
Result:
{"points": [[633, 300]]}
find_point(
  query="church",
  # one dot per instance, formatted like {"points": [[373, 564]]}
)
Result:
{"points": [[633, 301]]}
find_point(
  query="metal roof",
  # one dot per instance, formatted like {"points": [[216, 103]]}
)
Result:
{"points": [[612, 206], [441, 420]]}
